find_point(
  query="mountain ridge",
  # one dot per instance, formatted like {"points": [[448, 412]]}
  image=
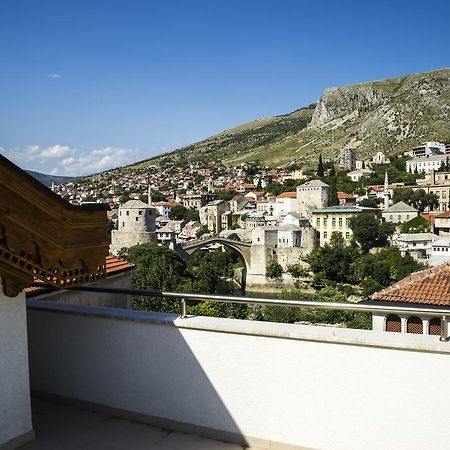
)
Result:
{"points": [[389, 115]]}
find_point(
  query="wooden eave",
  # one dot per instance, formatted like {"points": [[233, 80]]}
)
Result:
{"points": [[42, 235]]}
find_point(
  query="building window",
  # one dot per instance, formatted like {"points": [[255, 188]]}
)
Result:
{"points": [[393, 324], [325, 234], [414, 325], [434, 327], [347, 221], [123, 224], [391, 218], [333, 222], [325, 221], [137, 218], [140, 213], [318, 222], [347, 234], [340, 221], [128, 213]]}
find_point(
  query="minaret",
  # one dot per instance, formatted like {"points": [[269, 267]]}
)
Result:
{"points": [[386, 191], [149, 192]]}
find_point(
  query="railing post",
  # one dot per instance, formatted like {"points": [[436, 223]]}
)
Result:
{"points": [[444, 329], [183, 309]]}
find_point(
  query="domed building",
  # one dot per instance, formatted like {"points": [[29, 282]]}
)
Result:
{"points": [[136, 225]]}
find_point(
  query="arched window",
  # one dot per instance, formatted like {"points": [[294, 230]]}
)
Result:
{"points": [[414, 325], [393, 324], [435, 326]]}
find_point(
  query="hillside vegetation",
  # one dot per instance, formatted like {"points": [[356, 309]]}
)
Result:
{"points": [[390, 115]]}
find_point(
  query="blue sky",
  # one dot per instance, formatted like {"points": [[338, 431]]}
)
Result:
{"points": [[88, 85]]}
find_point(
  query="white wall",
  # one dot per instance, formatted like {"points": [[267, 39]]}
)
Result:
{"points": [[15, 412], [308, 386]]}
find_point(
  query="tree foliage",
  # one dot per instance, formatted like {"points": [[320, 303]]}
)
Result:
{"points": [[416, 225], [274, 269], [419, 199], [369, 232], [320, 170], [177, 212]]}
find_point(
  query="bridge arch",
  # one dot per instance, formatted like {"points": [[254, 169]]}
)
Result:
{"points": [[242, 248]]}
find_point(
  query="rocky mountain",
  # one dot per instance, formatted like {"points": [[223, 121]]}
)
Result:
{"points": [[389, 115]]}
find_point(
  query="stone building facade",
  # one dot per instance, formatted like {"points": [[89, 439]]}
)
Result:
{"points": [[313, 194], [136, 225]]}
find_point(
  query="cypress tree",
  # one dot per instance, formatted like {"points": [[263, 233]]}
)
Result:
{"points": [[320, 166]]}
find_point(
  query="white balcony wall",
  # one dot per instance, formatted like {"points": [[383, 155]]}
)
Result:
{"points": [[260, 383], [15, 409]]}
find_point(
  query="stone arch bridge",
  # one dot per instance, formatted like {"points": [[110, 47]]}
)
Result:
{"points": [[243, 248]]}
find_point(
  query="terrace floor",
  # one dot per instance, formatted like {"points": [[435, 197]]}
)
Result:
{"points": [[62, 427]]}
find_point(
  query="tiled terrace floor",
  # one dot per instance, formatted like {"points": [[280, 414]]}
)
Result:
{"points": [[61, 427]]}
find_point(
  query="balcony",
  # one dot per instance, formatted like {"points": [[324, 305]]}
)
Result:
{"points": [[257, 384]]}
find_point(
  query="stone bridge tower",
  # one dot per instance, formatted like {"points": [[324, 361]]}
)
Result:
{"points": [[136, 225]]}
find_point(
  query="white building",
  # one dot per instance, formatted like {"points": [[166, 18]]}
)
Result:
{"points": [[356, 175], [428, 148], [294, 218], [289, 236], [285, 203], [380, 158], [425, 163], [418, 245], [399, 213], [442, 224], [440, 251], [165, 235]]}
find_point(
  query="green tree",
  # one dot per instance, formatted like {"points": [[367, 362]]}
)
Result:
{"points": [[416, 225], [369, 232], [333, 194], [335, 261], [192, 214], [368, 203], [177, 212], [274, 269], [320, 166]]}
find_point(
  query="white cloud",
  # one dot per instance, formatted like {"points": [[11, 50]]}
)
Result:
{"points": [[54, 75], [56, 151], [63, 160]]}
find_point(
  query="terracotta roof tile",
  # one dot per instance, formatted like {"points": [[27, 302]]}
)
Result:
{"points": [[426, 287], [287, 195], [114, 265]]}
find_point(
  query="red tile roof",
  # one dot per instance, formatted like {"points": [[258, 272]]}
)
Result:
{"points": [[114, 266], [429, 217], [443, 215], [342, 195], [287, 195], [426, 287]]}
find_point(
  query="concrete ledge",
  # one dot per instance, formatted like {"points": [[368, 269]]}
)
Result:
{"points": [[344, 336], [18, 441], [167, 424]]}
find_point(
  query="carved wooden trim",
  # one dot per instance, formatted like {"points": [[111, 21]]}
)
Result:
{"points": [[43, 236]]}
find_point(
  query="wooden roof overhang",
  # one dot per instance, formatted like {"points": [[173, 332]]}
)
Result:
{"points": [[42, 235]]}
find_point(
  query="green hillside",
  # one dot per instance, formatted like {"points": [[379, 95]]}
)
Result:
{"points": [[389, 115]]}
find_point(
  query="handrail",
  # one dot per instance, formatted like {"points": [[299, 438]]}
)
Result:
{"points": [[183, 296]]}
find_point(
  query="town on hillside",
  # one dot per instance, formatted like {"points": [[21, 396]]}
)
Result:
{"points": [[276, 217]]}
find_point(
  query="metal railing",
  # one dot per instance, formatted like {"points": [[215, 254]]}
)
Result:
{"points": [[182, 296]]}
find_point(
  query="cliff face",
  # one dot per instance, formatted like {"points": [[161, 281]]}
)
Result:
{"points": [[389, 115]]}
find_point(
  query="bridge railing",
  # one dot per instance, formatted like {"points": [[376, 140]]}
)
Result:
{"points": [[443, 314]]}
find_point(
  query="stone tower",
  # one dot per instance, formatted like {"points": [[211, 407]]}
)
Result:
{"points": [[136, 225], [313, 194]]}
